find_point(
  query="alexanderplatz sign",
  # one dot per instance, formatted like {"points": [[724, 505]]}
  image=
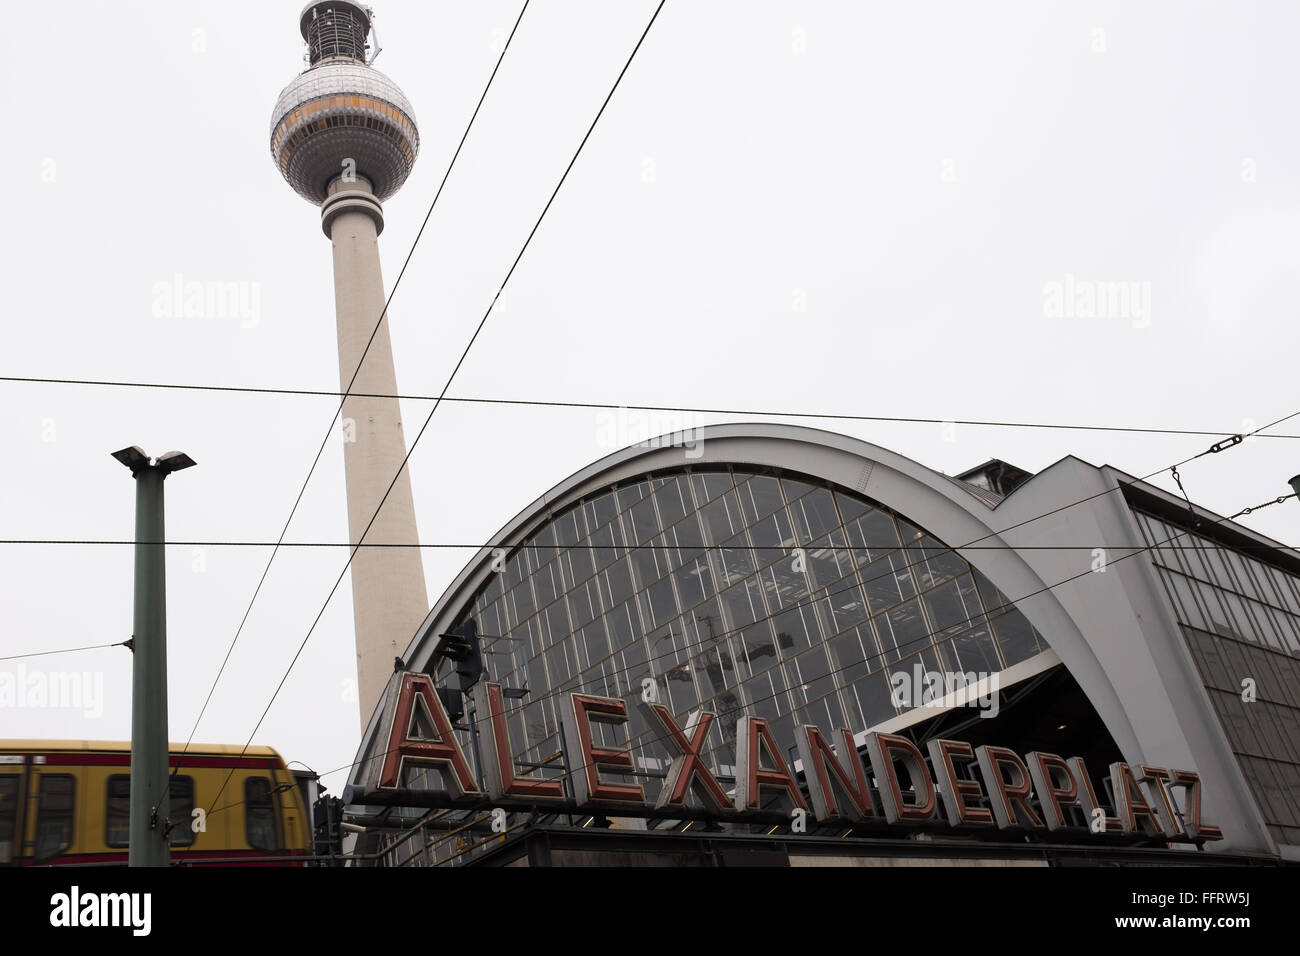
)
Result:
{"points": [[834, 773]]}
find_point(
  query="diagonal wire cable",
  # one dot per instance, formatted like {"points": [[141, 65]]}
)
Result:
{"points": [[64, 650], [461, 361], [330, 430]]}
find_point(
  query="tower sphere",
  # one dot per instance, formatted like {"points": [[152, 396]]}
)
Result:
{"points": [[342, 116]]}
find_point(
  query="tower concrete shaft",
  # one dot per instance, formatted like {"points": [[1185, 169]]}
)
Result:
{"points": [[344, 136], [388, 593]]}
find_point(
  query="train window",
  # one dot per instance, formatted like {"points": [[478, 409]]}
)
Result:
{"points": [[181, 810], [259, 814], [118, 814], [180, 799], [54, 814], [8, 815]]}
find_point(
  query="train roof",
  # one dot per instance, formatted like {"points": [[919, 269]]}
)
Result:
{"points": [[122, 746]]}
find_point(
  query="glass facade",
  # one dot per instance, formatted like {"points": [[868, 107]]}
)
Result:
{"points": [[768, 594], [1241, 619]]}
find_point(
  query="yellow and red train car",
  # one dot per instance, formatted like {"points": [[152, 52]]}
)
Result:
{"points": [[67, 802]]}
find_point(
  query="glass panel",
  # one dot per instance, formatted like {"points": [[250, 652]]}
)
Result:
{"points": [[849, 655], [975, 651], [570, 527], [742, 604], [180, 809], [844, 606], [759, 497], [629, 495], [940, 563], [617, 581], [708, 485], [876, 533], [721, 518], [623, 624], [594, 643], [54, 813], [887, 581], [694, 581], [774, 534], [648, 564], [819, 511], [543, 546], [1015, 637], [794, 489], [118, 810], [796, 629], [662, 603], [828, 561], [545, 586], [8, 815], [759, 647], [642, 522], [259, 814], [871, 696], [903, 631], [733, 561], [953, 606]]}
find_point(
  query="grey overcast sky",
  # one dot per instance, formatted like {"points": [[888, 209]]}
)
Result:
{"points": [[840, 207]]}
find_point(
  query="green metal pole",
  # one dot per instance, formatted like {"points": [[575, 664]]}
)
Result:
{"points": [[148, 845], [147, 831]]}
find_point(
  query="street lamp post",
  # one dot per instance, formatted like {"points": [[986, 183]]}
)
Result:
{"points": [[149, 752]]}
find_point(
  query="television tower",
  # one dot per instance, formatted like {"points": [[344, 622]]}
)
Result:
{"points": [[343, 135]]}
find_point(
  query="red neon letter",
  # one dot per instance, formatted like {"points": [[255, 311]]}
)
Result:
{"points": [[1135, 814], [825, 773], [1056, 786], [753, 743], [954, 790], [1010, 798], [417, 697], [1191, 785], [885, 750], [688, 766], [588, 787], [1155, 777], [498, 755], [1088, 800]]}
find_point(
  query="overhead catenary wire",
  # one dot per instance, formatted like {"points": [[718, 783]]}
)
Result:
{"points": [[461, 361], [630, 407], [1230, 442], [478, 546]]}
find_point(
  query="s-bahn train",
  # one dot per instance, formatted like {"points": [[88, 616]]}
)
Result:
{"points": [[67, 802]]}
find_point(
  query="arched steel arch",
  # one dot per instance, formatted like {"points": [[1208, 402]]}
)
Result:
{"points": [[1114, 633]]}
